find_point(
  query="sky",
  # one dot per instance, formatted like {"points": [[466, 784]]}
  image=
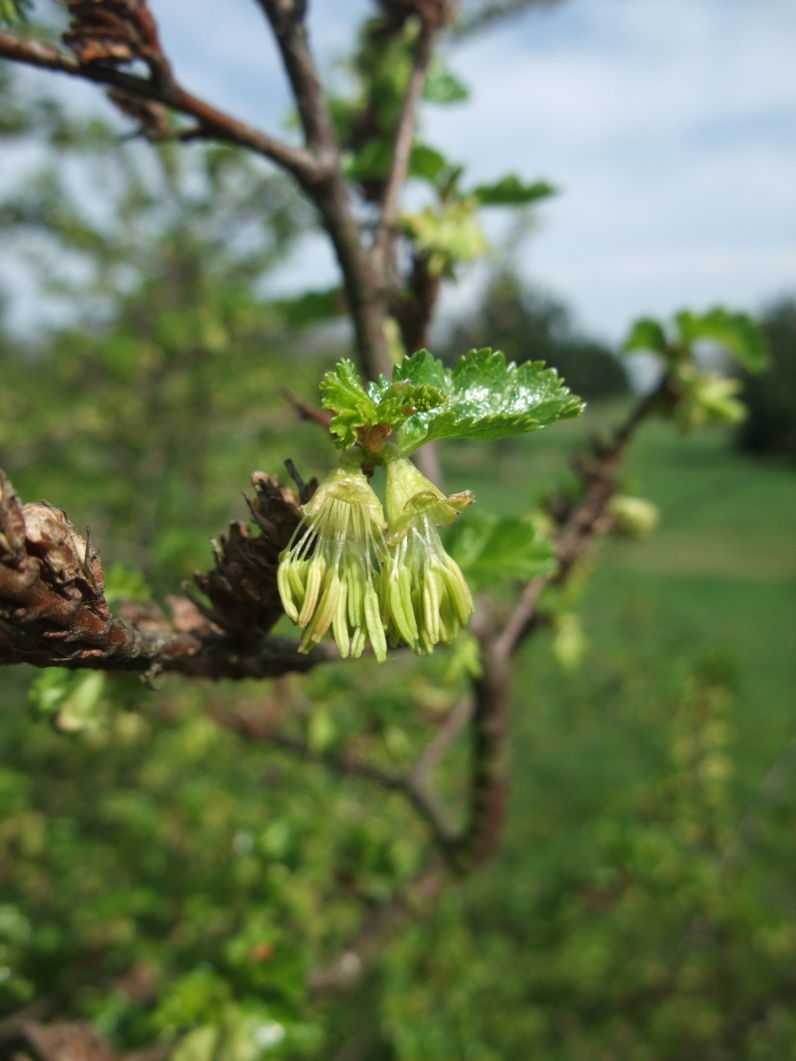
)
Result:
{"points": [[669, 127]]}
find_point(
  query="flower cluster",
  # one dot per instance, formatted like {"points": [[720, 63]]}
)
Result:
{"points": [[342, 571], [327, 574]]}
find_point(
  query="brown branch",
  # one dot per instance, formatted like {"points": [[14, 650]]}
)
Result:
{"points": [[287, 21], [214, 123], [580, 523], [53, 612], [252, 722], [413, 901], [326, 186], [384, 240], [489, 771], [307, 411]]}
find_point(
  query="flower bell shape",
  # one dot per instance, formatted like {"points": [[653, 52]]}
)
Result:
{"points": [[425, 598], [328, 574]]}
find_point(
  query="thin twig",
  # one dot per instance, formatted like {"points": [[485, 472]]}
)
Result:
{"points": [[402, 150], [287, 21], [327, 188], [256, 725], [213, 123], [442, 740], [305, 410], [410, 902], [579, 525]]}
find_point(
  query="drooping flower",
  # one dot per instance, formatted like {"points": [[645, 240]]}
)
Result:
{"points": [[425, 598], [328, 574]]}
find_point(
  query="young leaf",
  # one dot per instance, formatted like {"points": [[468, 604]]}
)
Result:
{"points": [[371, 162], [442, 86], [448, 234], [424, 369], [736, 332], [402, 398], [646, 334], [511, 191], [486, 398], [488, 549], [426, 163], [343, 394]]}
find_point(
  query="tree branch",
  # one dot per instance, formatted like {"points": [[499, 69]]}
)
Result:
{"points": [[53, 612], [214, 124], [287, 21], [326, 187], [581, 521], [384, 239], [411, 902], [254, 723]]}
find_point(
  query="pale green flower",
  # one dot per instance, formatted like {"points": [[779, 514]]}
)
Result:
{"points": [[425, 598], [328, 574]]}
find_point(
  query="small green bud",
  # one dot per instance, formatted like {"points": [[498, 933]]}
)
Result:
{"points": [[633, 515]]}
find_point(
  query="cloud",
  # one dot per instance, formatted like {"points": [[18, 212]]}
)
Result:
{"points": [[669, 125]]}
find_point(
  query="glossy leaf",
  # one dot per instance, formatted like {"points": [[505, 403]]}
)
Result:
{"points": [[343, 394], [486, 398], [402, 398]]}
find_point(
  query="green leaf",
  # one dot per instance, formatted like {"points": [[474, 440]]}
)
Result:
{"points": [[646, 334], [511, 191], [488, 549], [125, 583], [76, 697], [14, 11], [486, 398], [426, 163], [443, 87], [343, 394], [423, 369], [447, 234], [371, 161], [311, 307], [402, 398], [737, 333]]}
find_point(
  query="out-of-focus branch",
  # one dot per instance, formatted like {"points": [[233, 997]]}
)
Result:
{"points": [[252, 722], [442, 739], [486, 13], [287, 21], [307, 411], [582, 520], [384, 240], [413, 901], [69, 1041], [212, 123], [327, 188]]}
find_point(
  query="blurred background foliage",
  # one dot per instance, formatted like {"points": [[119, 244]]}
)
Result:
{"points": [[166, 878]]}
